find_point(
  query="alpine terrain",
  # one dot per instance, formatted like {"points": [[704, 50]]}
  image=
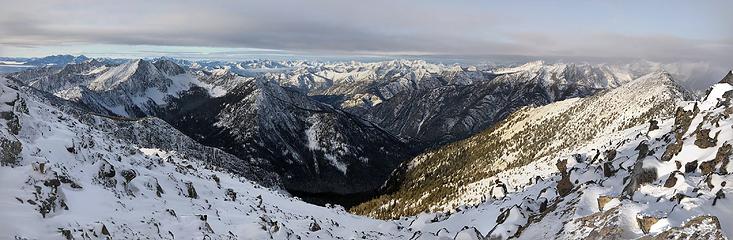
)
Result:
{"points": [[174, 149]]}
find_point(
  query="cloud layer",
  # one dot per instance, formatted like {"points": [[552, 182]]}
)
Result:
{"points": [[661, 30]]}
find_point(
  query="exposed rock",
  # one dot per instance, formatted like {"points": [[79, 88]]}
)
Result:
{"points": [[564, 186], [562, 166], [610, 154], [653, 125], [12, 121], [105, 231], [231, 195], [191, 191], [707, 167], [703, 139], [672, 150], [106, 170], [690, 166], [646, 222], [469, 234], [314, 227], [602, 225], [671, 180], [608, 170], [728, 78], [128, 174], [602, 201], [702, 227], [723, 157], [9, 150]]}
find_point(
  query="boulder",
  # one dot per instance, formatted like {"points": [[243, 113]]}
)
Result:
{"points": [[690, 166], [646, 222], [128, 174], [653, 125], [703, 139], [602, 201], [671, 180], [191, 191], [702, 227]]}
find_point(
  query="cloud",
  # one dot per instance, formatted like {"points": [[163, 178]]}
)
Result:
{"points": [[348, 27]]}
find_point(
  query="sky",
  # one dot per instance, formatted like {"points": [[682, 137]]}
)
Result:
{"points": [[654, 30]]}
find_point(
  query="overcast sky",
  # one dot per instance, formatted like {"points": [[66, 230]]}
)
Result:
{"points": [[652, 30]]}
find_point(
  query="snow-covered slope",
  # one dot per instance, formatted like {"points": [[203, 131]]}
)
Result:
{"points": [[68, 175], [429, 104], [446, 177], [316, 148]]}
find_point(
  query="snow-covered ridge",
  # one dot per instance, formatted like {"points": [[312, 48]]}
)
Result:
{"points": [[527, 135], [131, 89]]}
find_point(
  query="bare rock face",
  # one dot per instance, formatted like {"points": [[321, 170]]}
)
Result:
{"points": [[672, 150], [12, 120], [702, 227]]}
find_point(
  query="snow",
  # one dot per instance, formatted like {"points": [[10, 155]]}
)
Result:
{"points": [[11, 63], [134, 210], [114, 76]]}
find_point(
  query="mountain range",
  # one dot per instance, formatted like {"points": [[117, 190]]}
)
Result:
{"points": [[167, 148]]}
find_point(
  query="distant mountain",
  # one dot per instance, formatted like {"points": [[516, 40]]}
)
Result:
{"points": [[56, 60], [313, 147], [449, 176], [435, 116]]}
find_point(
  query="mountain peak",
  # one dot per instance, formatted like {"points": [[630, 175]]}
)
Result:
{"points": [[728, 78], [169, 67], [137, 69]]}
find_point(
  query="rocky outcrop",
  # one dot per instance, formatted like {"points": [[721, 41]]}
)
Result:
{"points": [[702, 227], [10, 149]]}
